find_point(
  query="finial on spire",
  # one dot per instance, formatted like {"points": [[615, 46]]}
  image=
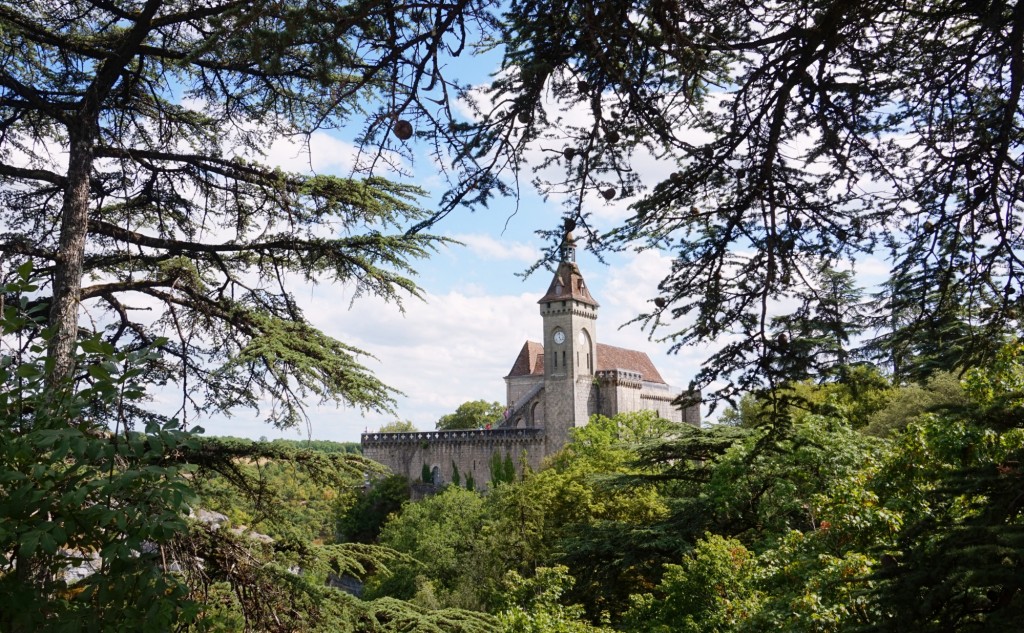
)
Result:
{"points": [[568, 241]]}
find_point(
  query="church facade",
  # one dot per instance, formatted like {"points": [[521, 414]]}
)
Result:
{"points": [[553, 386]]}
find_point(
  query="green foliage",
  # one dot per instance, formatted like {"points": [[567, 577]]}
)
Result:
{"points": [[773, 118], [281, 587], [439, 533], [910, 401], [956, 477], [286, 500], [712, 591], [855, 393], [607, 444], [820, 579], [426, 476], [73, 492], [319, 446], [503, 471], [322, 446], [475, 414], [759, 483], [533, 605], [808, 526], [174, 110], [363, 520], [277, 489], [456, 478], [399, 426], [559, 516]]}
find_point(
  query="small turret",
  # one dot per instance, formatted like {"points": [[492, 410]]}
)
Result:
{"points": [[568, 248]]}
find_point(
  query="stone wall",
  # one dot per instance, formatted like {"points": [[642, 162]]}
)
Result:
{"points": [[516, 388], [471, 450], [620, 391]]}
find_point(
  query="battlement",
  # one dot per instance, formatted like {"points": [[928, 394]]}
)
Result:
{"points": [[530, 434], [568, 307], [622, 377]]}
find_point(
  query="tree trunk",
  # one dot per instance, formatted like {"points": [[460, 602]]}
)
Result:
{"points": [[67, 280]]}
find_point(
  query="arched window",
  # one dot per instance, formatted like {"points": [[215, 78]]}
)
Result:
{"points": [[588, 349]]}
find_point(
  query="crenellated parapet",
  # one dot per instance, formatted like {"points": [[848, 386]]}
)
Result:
{"points": [[620, 378], [424, 438], [468, 451], [570, 309]]}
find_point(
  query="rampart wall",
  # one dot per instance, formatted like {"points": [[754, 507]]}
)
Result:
{"points": [[471, 450]]}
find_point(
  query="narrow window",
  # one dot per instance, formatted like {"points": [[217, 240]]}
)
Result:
{"points": [[563, 359]]}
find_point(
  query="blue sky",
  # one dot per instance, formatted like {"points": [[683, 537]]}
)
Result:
{"points": [[459, 341], [462, 338]]}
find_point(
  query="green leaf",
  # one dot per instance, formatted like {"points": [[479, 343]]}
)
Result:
{"points": [[98, 372], [27, 370], [47, 543], [29, 542]]}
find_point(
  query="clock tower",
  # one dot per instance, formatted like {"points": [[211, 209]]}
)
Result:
{"points": [[570, 346]]}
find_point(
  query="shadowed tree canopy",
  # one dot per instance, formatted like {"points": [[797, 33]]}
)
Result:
{"points": [[797, 137], [132, 171]]}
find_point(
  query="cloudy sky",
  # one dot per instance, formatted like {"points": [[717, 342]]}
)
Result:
{"points": [[477, 310], [460, 340]]}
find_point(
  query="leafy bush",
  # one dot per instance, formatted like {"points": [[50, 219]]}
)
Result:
{"points": [[74, 493]]}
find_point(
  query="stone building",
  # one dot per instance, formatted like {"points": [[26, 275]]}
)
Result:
{"points": [[553, 387]]}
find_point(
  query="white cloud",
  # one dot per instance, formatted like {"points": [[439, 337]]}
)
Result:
{"points": [[490, 248], [322, 153], [459, 344], [441, 352], [627, 290]]}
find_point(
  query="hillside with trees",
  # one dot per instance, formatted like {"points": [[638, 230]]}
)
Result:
{"points": [[869, 477], [641, 525]]}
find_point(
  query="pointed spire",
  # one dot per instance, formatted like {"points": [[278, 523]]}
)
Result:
{"points": [[568, 281]]}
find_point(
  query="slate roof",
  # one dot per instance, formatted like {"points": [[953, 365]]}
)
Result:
{"points": [[568, 284], [530, 361]]}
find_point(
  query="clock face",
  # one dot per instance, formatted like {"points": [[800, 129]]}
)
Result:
{"points": [[559, 337]]}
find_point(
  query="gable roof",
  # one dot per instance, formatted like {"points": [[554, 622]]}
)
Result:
{"points": [[611, 357], [530, 361]]}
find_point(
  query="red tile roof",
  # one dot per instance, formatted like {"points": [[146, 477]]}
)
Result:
{"points": [[610, 357], [530, 361]]}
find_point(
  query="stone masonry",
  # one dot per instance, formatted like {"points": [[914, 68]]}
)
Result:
{"points": [[553, 387]]}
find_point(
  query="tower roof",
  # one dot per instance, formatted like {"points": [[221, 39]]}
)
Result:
{"points": [[530, 361], [568, 284]]}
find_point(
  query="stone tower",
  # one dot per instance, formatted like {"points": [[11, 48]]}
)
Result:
{"points": [[553, 387], [569, 316]]}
